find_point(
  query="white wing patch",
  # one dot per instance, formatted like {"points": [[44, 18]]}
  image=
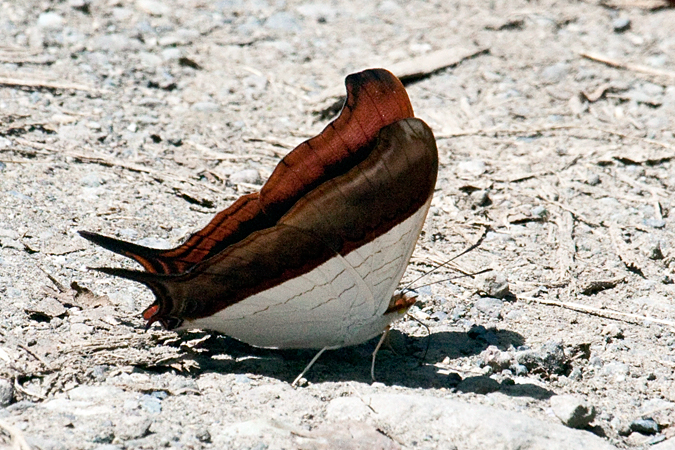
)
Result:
{"points": [[341, 302]]}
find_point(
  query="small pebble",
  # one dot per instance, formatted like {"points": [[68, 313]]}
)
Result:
{"points": [[205, 107], [480, 198], [655, 223], [50, 20], [593, 179], [491, 307], [282, 21], [494, 284], [203, 435], [572, 411], [6, 392], [132, 427], [539, 212], [654, 251], [645, 426], [479, 385], [612, 331], [92, 179], [621, 24], [249, 176], [81, 5]]}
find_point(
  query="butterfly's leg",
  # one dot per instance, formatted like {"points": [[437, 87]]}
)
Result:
{"points": [[311, 363], [377, 348]]}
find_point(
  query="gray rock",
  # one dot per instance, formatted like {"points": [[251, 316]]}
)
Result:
{"points": [[172, 53], [494, 284], [49, 307], [38, 442], [82, 5], [95, 393], [644, 426], [128, 234], [155, 243], [615, 368], [150, 404], [655, 223], [539, 212], [4, 142], [491, 307], [205, 107], [6, 392], [555, 73], [621, 24], [572, 411], [153, 7], [472, 168], [282, 21], [593, 179], [115, 43], [466, 426], [496, 358], [480, 198], [479, 385], [318, 11], [250, 176], [92, 179], [132, 427], [347, 435], [612, 331], [550, 359], [203, 435], [50, 20]]}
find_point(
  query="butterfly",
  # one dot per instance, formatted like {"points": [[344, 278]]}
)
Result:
{"points": [[313, 260]]}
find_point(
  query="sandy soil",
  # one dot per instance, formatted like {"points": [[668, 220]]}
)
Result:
{"points": [[143, 119]]}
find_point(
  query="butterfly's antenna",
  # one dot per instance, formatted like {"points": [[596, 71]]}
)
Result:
{"points": [[464, 252], [454, 278]]}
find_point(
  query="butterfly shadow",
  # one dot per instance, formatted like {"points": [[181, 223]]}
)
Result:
{"points": [[409, 361]]}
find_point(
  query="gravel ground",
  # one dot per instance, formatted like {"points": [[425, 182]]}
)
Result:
{"points": [[142, 119]]}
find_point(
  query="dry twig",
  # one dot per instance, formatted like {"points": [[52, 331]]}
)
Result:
{"points": [[605, 313], [24, 82], [566, 247], [627, 66]]}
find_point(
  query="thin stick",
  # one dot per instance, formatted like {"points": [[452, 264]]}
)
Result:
{"points": [[604, 313], [626, 66], [566, 247], [45, 84]]}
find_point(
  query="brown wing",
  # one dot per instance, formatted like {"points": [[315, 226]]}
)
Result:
{"points": [[375, 98], [344, 213]]}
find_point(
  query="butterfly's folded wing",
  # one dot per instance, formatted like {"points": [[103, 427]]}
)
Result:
{"points": [[324, 275]]}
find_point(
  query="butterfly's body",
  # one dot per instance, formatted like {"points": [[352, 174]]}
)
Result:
{"points": [[313, 260]]}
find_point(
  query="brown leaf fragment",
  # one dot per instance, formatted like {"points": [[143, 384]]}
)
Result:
{"points": [[591, 287], [597, 93], [84, 298], [506, 24], [625, 254], [46, 309]]}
